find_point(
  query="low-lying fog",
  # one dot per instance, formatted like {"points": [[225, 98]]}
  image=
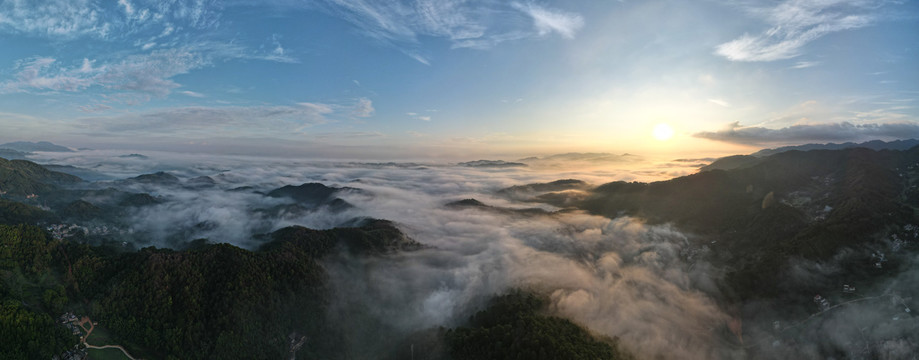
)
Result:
{"points": [[618, 277]]}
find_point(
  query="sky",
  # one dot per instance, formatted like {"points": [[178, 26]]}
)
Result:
{"points": [[457, 79]]}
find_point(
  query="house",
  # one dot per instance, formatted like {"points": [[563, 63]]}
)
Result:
{"points": [[821, 302]]}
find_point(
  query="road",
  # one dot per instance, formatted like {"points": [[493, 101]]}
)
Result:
{"points": [[85, 320]]}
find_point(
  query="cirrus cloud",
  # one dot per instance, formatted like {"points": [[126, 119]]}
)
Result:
{"points": [[548, 21], [465, 24], [199, 121], [67, 19], [795, 23], [150, 74]]}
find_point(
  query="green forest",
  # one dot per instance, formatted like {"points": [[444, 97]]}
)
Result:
{"points": [[221, 301]]}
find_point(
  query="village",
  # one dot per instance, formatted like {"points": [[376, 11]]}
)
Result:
{"points": [[82, 350], [63, 231]]}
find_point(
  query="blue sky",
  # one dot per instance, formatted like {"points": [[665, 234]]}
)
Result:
{"points": [[416, 79]]}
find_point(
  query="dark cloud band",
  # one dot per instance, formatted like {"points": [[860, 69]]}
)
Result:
{"points": [[843, 131]]}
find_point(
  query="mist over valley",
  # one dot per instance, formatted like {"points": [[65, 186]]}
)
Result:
{"points": [[795, 253]]}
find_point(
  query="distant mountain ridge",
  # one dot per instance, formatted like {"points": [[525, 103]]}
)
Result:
{"points": [[492, 164], [744, 161], [28, 146], [873, 145], [582, 157]]}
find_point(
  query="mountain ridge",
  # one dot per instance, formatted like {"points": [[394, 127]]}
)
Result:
{"points": [[28, 146]]}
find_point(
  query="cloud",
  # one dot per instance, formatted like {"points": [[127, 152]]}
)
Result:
{"points": [[33, 74], [128, 8], [617, 277], [62, 18], [68, 20], [843, 131], [318, 108], [149, 74], [193, 94], [417, 116], [166, 39], [95, 108], [349, 135], [418, 57], [465, 24], [363, 108], [280, 121], [278, 52], [795, 23], [547, 21], [719, 102], [805, 64], [448, 19]]}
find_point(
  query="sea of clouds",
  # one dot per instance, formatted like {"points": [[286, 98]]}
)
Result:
{"points": [[617, 277]]}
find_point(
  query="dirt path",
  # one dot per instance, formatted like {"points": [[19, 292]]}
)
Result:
{"points": [[88, 346], [85, 320]]}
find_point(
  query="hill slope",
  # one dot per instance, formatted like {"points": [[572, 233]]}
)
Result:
{"points": [[21, 177], [221, 301], [793, 204]]}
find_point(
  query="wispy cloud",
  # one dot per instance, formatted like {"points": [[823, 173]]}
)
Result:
{"points": [[95, 108], [719, 102], [348, 135], [281, 121], [466, 24], [418, 116], [193, 94], [278, 53], [62, 18], [318, 108], [548, 21], [418, 57], [805, 64], [149, 74], [69, 19], [33, 74], [163, 39], [843, 131], [795, 23]]}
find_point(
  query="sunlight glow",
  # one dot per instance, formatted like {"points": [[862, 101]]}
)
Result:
{"points": [[663, 132]]}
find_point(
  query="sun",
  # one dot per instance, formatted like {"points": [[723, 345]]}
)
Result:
{"points": [[663, 132]]}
